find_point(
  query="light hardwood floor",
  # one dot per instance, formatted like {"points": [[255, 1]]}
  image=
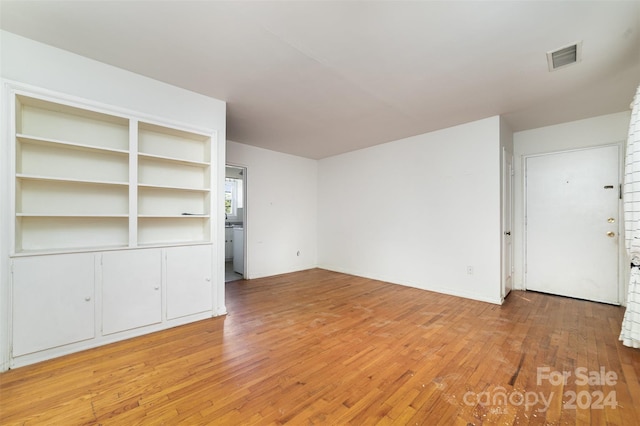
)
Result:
{"points": [[318, 347]]}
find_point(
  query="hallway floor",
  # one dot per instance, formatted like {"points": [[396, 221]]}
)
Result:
{"points": [[229, 274]]}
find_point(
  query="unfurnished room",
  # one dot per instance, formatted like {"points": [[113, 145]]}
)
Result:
{"points": [[319, 212]]}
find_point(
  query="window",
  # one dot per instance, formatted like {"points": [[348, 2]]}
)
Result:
{"points": [[232, 196]]}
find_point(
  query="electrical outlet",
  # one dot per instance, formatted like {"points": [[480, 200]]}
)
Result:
{"points": [[470, 270]]}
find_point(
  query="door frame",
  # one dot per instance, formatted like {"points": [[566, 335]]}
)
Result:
{"points": [[507, 225], [622, 255], [244, 213]]}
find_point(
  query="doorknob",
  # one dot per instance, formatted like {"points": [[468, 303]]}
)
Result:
{"points": [[611, 234]]}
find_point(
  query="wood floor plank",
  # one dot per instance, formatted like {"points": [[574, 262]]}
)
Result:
{"points": [[319, 347]]}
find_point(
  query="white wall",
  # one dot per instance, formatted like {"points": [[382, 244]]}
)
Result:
{"points": [[417, 211], [602, 130], [44, 66], [32, 63], [281, 209]]}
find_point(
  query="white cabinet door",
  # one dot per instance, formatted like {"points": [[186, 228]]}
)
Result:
{"points": [[131, 289], [228, 243], [52, 301], [189, 286]]}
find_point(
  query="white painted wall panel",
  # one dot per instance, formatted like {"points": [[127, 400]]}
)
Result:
{"points": [[417, 211]]}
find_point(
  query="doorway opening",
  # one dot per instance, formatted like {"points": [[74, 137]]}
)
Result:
{"points": [[235, 202]]}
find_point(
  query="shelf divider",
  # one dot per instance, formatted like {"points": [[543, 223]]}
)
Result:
{"points": [[133, 183]]}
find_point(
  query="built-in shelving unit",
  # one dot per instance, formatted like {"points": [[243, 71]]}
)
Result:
{"points": [[72, 177], [174, 184], [87, 179], [112, 232]]}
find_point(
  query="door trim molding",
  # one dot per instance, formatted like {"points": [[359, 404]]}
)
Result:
{"points": [[245, 188]]}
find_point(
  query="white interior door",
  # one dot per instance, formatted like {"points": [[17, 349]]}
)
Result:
{"points": [[572, 215], [507, 219]]}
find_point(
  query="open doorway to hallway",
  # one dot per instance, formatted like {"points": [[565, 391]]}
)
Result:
{"points": [[235, 222]]}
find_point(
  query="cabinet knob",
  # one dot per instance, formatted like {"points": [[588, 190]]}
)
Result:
{"points": [[156, 287], [87, 299], [207, 279]]}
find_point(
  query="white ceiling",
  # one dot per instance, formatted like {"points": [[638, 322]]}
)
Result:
{"points": [[321, 78]]}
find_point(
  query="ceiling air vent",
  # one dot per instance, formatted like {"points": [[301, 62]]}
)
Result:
{"points": [[564, 56]]}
